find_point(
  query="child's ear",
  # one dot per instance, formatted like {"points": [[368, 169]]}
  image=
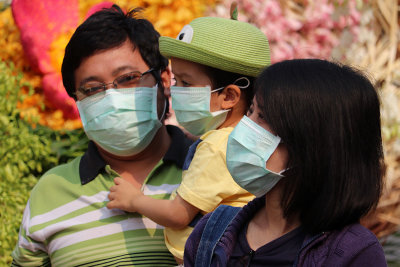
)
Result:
{"points": [[166, 76], [232, 95]]}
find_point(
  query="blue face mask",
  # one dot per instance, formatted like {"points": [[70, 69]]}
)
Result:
{"points": [[192, 109], [124, 121], [249, 148]]}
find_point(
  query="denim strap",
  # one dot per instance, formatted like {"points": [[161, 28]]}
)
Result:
{"points": [[213, 231]]}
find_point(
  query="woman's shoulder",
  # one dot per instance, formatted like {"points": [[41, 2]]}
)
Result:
{"points": [[354, 236], [353, 245], [358, 246]]}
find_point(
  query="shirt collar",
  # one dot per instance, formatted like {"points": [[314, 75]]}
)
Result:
{"points": [[92, 163]]}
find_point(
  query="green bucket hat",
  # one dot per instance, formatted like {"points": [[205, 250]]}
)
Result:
{"points": [[225, 44]]}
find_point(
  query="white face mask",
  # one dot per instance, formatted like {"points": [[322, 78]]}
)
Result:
{"points": [[249, 148], [124, 121], [192, 109]]}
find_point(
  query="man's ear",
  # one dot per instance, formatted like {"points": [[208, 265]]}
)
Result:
{"points": [[166, 77], [231, 96]]}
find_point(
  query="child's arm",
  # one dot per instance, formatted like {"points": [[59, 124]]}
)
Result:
{"points": [[176, 213]]}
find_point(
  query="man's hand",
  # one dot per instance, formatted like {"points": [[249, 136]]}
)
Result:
{"points": [[123, 195]]}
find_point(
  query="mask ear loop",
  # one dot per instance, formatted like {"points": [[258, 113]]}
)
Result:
{"points": [[242, 86], [165, 104], [216, 90], [165, 109]]}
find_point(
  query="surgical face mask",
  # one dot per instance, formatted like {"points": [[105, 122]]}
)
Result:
{"points": [[123, 121], [249, 148], [192, 109]]}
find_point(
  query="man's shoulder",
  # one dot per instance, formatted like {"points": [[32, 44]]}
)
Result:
{"points": [[57, 186], [64, 169], [68, 172]]}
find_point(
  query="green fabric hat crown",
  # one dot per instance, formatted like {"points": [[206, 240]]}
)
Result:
{"points": [[225, 44]]}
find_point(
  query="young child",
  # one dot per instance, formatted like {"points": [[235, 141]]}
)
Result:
{"points": [[214, 61]]}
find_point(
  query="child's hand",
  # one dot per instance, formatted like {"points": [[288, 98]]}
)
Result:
{"points": [[123, 195]]}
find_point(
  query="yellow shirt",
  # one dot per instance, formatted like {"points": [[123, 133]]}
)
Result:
{"points": [[206, 184]]}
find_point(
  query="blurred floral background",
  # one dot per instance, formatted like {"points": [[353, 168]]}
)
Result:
{"points": [[40, 126]]}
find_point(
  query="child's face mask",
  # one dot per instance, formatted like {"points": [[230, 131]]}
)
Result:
{"points": [[192, 109]]}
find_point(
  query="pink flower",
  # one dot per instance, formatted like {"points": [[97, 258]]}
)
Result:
{"points": [[41, 24], [313, 33]]}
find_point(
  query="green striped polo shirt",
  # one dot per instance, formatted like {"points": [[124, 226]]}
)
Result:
{"points": [[66, 221]]}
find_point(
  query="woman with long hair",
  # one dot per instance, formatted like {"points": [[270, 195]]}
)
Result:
{"points": [[310, 149]]}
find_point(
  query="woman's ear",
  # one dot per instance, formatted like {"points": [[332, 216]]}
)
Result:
{"points": [[166, 77], [231, 96]]}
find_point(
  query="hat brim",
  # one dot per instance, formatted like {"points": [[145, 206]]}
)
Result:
{"points": [[170, 47]]}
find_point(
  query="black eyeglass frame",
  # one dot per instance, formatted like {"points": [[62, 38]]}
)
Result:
{"points": [[104, 86]]}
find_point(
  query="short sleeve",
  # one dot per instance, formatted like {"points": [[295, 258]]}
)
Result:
{"points": [[207, 182], [29, 252]]}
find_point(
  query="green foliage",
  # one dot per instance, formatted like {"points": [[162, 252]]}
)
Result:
{"points": [[25, 154]]}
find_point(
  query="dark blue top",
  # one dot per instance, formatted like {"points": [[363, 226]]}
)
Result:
{"points": [[279, 252], [353, 245]]}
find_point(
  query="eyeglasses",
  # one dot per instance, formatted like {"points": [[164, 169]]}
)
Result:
{"points": [[127, 80]]}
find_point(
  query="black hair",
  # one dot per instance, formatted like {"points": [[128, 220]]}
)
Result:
{"points": [[328, 117], [110, 28], [220, 78]]}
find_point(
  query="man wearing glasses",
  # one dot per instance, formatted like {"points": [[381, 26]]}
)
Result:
{"points": [[113, 69]]}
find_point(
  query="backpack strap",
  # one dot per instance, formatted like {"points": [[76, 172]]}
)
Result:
{"points": [[215, 227]]}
